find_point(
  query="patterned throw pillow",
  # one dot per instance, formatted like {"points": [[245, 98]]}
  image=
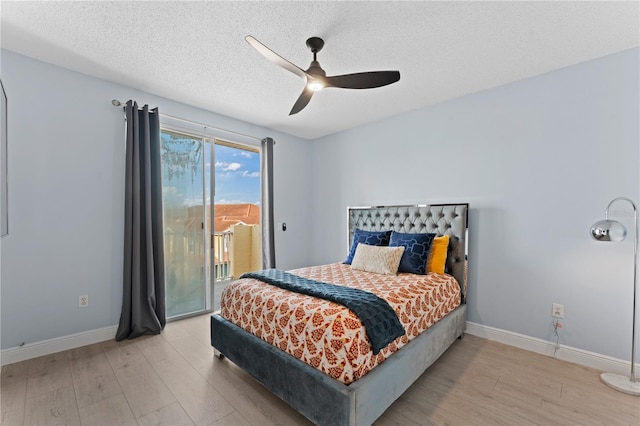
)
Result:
{"points": [[438, 254], [372, 238], [416, 251], [377, 259]]}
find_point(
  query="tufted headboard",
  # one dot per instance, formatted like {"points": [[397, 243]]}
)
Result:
{"points": [[441, 219]]}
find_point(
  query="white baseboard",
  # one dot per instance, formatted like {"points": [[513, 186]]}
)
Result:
{"points": [[50, 346], [545, 347]]}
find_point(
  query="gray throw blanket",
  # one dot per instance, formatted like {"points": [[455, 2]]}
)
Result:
{"points": [[379, 319]]}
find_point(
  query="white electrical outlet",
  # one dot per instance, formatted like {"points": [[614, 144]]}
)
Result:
{"points": [[83, 301], [557, 310]]}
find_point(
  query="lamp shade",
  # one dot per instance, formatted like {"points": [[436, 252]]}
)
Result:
{"points": [[608, 230]]}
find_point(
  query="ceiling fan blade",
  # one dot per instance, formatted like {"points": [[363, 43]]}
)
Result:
{"points": [[363, 80], [302, 101], [274, 57]]}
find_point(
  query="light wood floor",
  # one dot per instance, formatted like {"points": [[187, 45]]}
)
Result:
{"points": [[172, 379]]}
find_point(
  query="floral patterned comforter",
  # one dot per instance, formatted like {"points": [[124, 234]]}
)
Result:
{"points": [[329, 336]]}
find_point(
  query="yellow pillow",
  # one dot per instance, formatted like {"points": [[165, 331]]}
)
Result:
{"points": [[438, 254]]}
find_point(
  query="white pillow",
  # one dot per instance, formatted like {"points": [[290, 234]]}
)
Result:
{"points": [[378, 259]]}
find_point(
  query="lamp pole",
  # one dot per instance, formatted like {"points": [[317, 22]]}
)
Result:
{"points": [[612, 230], [635, 277]]}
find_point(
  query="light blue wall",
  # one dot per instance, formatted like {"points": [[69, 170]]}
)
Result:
{"points": [[538, 161], [66, 174], [532, 158]]}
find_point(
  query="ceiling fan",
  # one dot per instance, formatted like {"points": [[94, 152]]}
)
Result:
{"points": [[316, 78]]}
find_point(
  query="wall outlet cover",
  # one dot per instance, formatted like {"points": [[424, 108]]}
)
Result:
{"points": [[83, 301]]}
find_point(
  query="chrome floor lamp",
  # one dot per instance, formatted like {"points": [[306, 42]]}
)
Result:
{"points": [[612, 230]]}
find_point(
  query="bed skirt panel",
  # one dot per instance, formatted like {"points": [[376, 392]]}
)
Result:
{"points": [[317, 396], [379, 388]]}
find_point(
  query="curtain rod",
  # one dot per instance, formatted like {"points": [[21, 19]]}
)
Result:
{"points": [[117, 103]]}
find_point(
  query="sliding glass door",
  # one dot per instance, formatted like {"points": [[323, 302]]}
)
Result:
{"points": [[184, 197], [207, 243]]}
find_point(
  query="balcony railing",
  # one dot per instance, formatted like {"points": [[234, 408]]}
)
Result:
{"points": [[222, 247]]}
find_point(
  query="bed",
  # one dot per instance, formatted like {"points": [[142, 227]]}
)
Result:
{"points": [[359, 398]]}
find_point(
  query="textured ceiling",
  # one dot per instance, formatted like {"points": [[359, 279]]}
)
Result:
{"points": [[195, 52]]}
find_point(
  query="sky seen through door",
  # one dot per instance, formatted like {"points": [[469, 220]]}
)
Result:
{"points": [[237, 173]]}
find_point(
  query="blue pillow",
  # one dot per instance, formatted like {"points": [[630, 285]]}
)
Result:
{"points": [[416, 251], [372, 238]]}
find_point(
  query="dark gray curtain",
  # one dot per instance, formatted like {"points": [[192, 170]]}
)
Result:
{"points": [[268, 238], [143, 306]]}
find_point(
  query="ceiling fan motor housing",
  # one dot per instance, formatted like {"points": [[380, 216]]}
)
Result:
{"points": [[316, 70]]}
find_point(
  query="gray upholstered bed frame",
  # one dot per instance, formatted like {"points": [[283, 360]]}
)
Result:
{"points": [[326, 401]]}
